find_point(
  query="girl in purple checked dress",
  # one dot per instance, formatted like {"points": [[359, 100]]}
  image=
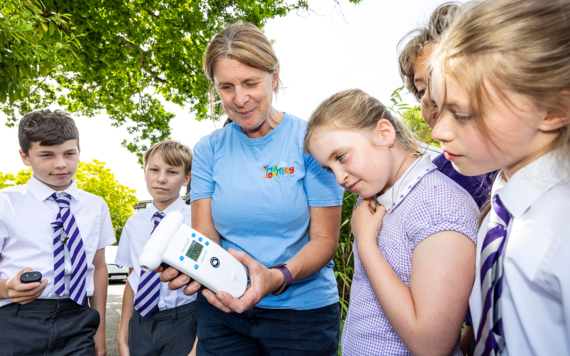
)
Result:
{"points": [[415, 231]]}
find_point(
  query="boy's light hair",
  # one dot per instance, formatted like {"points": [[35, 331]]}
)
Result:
{"points": [[172, 153]]}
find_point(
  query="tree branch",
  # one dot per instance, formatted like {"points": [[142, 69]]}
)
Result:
{"points": [[151, 73], [141, 60]]}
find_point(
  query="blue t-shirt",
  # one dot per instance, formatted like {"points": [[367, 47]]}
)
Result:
{"points": [[261, 190]]}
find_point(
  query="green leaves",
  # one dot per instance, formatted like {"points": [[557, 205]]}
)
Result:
{"points": [[344, 258], [26, 51], [412, 117], [414, 120], [123, 57]]}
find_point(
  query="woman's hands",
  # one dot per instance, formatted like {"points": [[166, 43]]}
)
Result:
{"points": [[366, 222], [263, 282], [176, 280], [324, 231]]}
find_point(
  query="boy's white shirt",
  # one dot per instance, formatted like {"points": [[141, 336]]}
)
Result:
{"points": [[26, 234], [535, 299], [135, 235]]}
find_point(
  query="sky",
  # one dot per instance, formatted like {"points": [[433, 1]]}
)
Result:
{"points": [[319, 53]]}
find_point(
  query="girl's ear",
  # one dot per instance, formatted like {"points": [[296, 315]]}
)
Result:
{"points": [[384, 134], [557, 117]]}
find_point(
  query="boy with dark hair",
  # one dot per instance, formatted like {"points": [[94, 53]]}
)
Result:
{"points": [[51, 226], [154, 319]]}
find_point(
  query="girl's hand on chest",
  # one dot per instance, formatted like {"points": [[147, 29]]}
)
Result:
{"points": [[366, 222]]}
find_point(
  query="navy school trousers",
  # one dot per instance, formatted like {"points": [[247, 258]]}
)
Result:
{"points": [[169, 332], [267, 332], [48, 327]]}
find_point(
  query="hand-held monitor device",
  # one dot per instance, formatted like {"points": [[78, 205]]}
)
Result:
{"points": [[193, 254], [31, 277]]}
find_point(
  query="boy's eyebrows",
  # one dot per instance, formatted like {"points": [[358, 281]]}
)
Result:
{"points": [[52, 151], [167, 166], [419, 80]]}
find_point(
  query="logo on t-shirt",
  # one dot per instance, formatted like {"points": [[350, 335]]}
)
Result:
{"points": [[274, 171]]}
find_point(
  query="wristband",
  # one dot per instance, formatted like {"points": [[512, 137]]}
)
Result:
{"points": [[286, 282]]}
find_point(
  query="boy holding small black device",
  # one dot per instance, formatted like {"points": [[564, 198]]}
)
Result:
{"points": [[154, 319], [51, 229]]}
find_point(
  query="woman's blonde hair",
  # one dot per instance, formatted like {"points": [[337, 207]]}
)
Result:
{"points": [[243, 42], [513, 45], [353, 109]]}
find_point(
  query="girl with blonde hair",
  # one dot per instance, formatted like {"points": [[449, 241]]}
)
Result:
{"points": [[501, 80], [414, 231]]}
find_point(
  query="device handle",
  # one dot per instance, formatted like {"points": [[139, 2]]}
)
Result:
{"points": [[152, 252]]}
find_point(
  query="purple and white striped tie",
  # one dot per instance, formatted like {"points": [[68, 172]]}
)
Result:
{"points": [[67, 235], [146, 300], [490, 340]]}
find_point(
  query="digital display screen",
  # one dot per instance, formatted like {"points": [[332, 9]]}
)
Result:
{"points": [[194, 250]]}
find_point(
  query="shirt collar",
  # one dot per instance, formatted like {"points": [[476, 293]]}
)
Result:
{"points": [[41, 191], [395, 195], [528, 184], [177, 205]]}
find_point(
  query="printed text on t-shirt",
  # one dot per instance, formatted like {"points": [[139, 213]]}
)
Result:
{"points": [[274, 171]]}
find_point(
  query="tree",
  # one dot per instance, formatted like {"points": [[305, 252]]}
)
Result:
{"points": [[93, 177], [133, 55], [31, 45]]}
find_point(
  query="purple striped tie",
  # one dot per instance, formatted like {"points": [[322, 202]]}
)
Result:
{"points": [[490, 340], [146, 300], [66, 235]]}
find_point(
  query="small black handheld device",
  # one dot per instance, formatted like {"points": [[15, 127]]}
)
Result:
{"points": [[31, 277]]}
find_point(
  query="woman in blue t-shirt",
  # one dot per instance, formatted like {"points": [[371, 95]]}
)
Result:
{"points": [[271, 205]]}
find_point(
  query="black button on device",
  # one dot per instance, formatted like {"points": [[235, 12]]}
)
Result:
{"points": [[215, 262]]}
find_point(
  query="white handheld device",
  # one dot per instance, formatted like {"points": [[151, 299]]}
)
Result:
{"points": [[193, 254]]}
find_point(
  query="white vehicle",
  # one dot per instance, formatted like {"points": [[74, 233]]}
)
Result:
{"points": [[115, 271]]}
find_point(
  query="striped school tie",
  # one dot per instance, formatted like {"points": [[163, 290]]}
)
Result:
{"points": [[490, 340], [67, 235], [146, 300]]}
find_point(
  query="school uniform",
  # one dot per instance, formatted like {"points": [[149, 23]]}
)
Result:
{"points": [[54, 323], [421, 203], [535, 298], [171, 328]]}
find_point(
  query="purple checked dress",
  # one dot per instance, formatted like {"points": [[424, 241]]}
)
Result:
{"points": [[421, 203]]}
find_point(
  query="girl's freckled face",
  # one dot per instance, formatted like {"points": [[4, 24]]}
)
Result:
{"points": [[349, 155], [512, 134]]}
